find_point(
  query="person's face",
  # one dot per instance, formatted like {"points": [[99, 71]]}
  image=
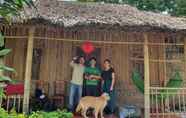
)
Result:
{"points": [[81, 60], [39, 86], [106, 64], [92, 62]]}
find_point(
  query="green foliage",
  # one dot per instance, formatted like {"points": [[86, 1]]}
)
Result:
{"points": [[2, 42], [6, 68], [4, 52], [175, 81], [8, 9], [11, 8], [5, 78], [2, 94], [38, 114], [12, 114], [86, 0], [180, 10], [173, 7], [3, 68], [54, 114], [168, 6], [138, 81], [3, 113]]}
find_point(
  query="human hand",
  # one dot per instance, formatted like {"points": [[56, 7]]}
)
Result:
{"points": [[91, 76], [75, 58], [86, 77], [111, 88], [42, 97]]}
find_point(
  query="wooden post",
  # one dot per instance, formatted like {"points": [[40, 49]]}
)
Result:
{"points": [[184, 57], [28, 71], [184, 108], [146, 78]]}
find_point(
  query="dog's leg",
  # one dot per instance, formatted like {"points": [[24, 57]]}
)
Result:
{"points": [[101, 113], [84, 113], [96, 113]]}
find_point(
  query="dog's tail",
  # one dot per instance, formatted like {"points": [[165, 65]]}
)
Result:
{"points": [[78, 108]]}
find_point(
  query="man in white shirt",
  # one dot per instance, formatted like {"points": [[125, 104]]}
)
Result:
{"points": [[76, 83]]}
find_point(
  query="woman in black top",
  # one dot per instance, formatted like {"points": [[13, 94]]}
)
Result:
{"points": [[108, 84]]}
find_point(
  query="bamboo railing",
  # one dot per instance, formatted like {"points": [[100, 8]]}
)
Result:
{"points": [[14, 101], [174, 105]]}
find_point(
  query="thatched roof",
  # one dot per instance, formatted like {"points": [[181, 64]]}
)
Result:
{"points": [[70, 14]]}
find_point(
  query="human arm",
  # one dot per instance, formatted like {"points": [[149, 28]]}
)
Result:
{"points": [[102, 83], [97, 77], [113, 81], [72, 63], [86, 76], [102, 80]]}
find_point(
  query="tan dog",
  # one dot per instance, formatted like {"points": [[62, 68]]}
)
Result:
{"points": [[97, 103]]}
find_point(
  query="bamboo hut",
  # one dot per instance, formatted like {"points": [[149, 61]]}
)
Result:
{"points": [[47, 38]]}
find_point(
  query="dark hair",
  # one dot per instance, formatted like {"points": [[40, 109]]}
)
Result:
{"points": [[107, 60], [93, 58], [80, 58]]}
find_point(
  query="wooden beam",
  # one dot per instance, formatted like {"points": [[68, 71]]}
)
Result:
{"points": [[28, 71], [16, 37], [146, 79], [168, 88], [110, 42], [98, 41], [159, 60]]}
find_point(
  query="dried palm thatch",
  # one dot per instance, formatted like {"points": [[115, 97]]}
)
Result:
{"points": [[71, 14]]}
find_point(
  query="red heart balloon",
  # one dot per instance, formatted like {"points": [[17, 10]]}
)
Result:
{"points": [[87, 47]]}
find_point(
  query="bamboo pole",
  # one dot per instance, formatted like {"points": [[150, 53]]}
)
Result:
{"points": [[146, 79], [184, 57], [184, 73], [158, 60], [28, 70], [95, 41]]}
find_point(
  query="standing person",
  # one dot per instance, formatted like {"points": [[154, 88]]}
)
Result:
{"points": [[77, 81], [92, 79], [108, 83]]}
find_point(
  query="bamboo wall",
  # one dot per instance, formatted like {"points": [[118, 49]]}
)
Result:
{"points": [[57, 54], [17, 57]]}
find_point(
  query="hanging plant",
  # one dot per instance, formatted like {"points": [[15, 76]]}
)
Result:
{"points": [[10, 8], [3, 68]]}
